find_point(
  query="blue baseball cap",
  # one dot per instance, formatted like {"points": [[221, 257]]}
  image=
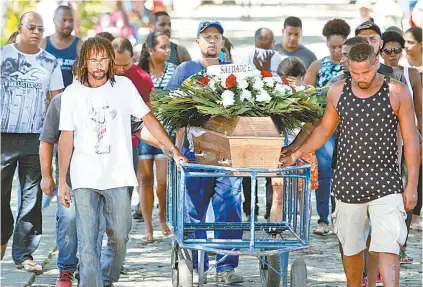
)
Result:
{"points": [[207, 24]]}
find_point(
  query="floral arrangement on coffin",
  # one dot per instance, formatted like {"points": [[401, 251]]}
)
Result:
{"points": [[249, 93]]}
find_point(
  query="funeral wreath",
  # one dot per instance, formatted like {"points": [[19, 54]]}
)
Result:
{"points": [[236, 90]]}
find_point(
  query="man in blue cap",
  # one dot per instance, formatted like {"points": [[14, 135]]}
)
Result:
{"points": [[225, 192]]}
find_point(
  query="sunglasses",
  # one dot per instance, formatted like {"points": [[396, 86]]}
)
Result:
{"points": [[32, 28], [388, 51]]}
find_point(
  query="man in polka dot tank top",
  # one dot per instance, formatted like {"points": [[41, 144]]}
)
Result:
{"points": [[366, 109]]}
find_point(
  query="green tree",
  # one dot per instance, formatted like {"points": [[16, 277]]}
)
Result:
{"points": [[88, 13]]}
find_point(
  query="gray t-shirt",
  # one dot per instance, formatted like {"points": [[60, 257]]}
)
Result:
{"points": [[302, 53], [51, 133]]}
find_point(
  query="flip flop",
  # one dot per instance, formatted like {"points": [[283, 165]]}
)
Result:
{"points": [[30, 266], [147, 239], [416, 226], [320, 230], [404, 258]]}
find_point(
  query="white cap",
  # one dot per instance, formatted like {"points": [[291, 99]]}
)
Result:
{"points": [[364, 4]]}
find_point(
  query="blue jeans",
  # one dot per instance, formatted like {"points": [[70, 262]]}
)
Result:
{"points": [[66, 236], [225, 193], [21, 149], [324, 162], [116, 208]]}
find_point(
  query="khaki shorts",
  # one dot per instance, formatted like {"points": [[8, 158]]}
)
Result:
{"points": [[387, 217]]}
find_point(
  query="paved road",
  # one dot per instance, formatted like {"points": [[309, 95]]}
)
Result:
{"points": [[148, 265]]}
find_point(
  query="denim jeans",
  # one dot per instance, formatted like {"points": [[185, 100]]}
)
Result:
{"points": [[324, 162], [225, 193], [21, 149], [116, 208], [66, 236]]}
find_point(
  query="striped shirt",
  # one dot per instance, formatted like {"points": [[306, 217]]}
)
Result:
{"points": [[161, 82]]}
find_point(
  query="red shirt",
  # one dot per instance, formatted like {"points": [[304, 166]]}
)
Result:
{"points": [[142, 81]]}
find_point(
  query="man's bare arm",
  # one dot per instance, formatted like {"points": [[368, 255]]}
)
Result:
{"points": [[183, 54], [65, 154], [46, 158], [401, 101], [326, 127]]}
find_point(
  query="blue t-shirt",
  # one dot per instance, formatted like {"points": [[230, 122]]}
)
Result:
{"points": [[186, 70]]}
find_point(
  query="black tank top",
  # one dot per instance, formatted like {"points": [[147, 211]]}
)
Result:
{"points": [[367, 147]]}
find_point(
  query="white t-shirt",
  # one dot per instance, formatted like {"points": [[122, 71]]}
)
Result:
{"points": [[100, 118], [25, 81]]}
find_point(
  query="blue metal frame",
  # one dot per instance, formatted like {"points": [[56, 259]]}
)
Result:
{"points": [[294, 226]]}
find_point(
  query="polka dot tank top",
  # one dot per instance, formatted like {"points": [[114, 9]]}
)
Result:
{"points": [[367, 147]]}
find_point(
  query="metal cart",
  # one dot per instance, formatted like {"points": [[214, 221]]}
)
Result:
{"points": [[270, 242]]}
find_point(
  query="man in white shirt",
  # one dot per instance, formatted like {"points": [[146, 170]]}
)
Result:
{"points": [[264, 42], [30, 78], [94, 117]]}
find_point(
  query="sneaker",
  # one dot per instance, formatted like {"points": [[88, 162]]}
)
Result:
{"points": [[322, 229], [196, 278], [379, 281], [228, 277], [65, 279]]}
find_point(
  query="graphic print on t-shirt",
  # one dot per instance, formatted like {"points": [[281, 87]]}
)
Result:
{"points": [[23, 93], [99, 122]]}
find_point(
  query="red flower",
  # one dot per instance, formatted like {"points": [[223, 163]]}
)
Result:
{"points": [[230, 81], [266, 74], [285, 81], [204, 80]]}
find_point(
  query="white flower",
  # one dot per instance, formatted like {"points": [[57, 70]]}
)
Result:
{"points": [[223, 81], [258, 84], [245, 95], [212, 84], [269, 82], [228, 98], [263, 96], [277, 80], [299, 88], [283, 89], [242, 83]]}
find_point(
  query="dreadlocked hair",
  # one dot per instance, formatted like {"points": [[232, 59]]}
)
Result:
{"points": [[91, 46], [150, 42]]}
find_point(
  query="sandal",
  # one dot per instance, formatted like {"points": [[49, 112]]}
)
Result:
{"points": [[416, 226], [404, 258], [30, 266], [321, 229]]}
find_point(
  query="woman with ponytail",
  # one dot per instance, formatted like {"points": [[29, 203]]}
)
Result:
{"points": [[153, 59]]}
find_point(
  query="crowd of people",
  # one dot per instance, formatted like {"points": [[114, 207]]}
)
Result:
{"points": [[71, 100]]}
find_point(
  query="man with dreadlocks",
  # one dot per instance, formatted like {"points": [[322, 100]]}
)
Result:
{"points": [[366, 108], [94, 117]]}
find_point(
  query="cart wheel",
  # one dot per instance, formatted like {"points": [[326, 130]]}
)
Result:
{"points": [[174, 265], [182, 267], [298, 273], [269, 278]]}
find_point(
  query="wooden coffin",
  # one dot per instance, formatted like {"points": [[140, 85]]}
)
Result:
{"points": [[239, 142]]}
